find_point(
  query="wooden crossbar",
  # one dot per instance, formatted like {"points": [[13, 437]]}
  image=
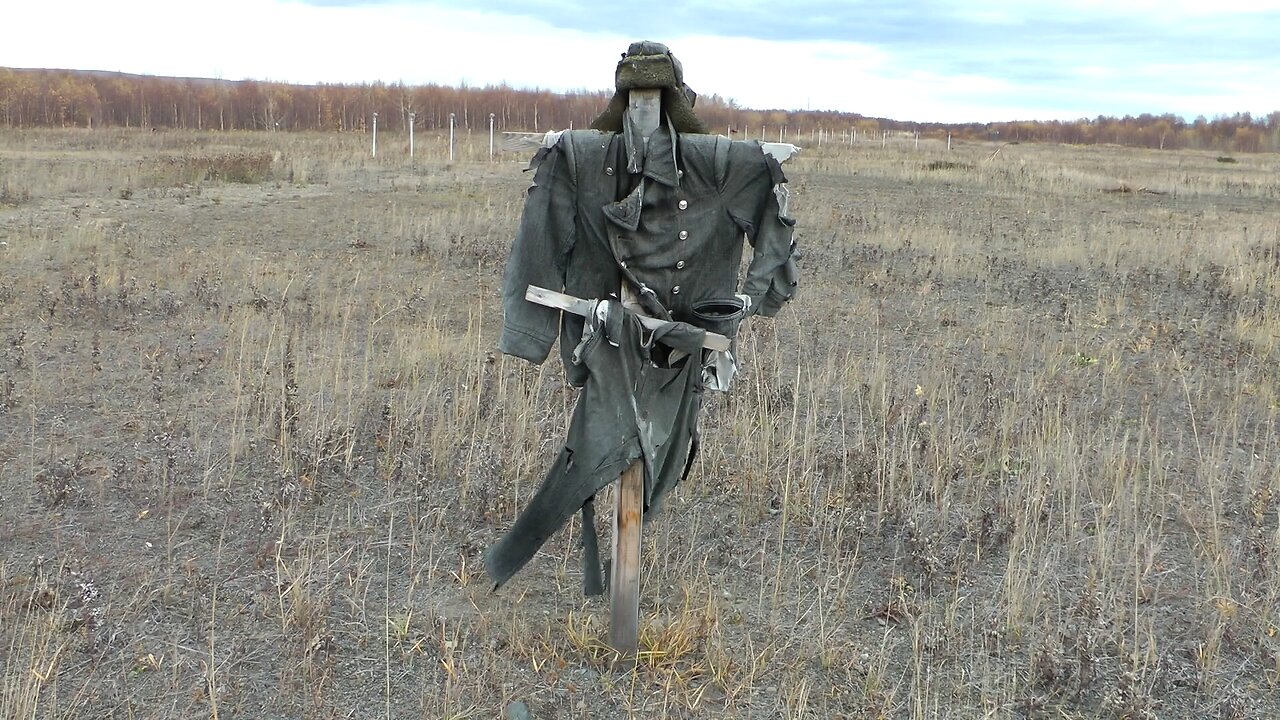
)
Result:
{"points": [[578, 306]]}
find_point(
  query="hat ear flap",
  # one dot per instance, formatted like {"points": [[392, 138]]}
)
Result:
{"points": [[679, 107], [611, 119]]}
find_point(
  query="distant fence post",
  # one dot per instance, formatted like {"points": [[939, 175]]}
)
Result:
{"points": [[451, 115], [411, 119], [491, 136], [375, 135], [884, 138], [948, 142]]}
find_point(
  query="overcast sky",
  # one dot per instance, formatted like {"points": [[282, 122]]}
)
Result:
{"points": [[919, 60]]}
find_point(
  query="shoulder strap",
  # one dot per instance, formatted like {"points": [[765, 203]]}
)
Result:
{"points": [[722, 160]]}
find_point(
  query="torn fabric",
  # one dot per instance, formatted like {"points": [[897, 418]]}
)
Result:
{"points": [[630, 409]]}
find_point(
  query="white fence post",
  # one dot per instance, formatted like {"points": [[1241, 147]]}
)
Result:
{"points": [[375, 135], [451, 115], [412, 116]]}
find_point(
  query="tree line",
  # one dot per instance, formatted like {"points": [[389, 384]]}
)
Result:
{"points": [[69, 98]]}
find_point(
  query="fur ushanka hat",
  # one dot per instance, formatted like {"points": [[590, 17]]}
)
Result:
{"points": [[650, 65]]}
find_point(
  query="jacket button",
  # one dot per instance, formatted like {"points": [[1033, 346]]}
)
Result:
{"points": [[684, 234], [680, 265], [683, 204], [608, 171], [675, 290]]}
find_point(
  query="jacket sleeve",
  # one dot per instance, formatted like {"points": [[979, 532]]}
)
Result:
{"points": [[772, 276], [539, 254]]}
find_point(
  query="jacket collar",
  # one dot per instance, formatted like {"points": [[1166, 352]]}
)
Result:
{"points": [[660, 163], [655, 159]]}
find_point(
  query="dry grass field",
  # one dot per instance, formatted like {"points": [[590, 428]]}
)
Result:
{"points": [[1012, 453]]}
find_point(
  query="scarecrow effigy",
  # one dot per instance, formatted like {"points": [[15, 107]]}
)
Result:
{"points": [[640, 221]]}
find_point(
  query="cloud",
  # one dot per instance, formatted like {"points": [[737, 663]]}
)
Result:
{"points": [[941, 60], [307, 43], [972, 51]]}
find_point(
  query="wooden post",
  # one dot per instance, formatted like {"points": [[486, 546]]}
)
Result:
{"points": [[624, 583], [645, 108]]}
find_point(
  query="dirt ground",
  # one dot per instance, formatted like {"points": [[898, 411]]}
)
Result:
{"points": [[1011, 453]]}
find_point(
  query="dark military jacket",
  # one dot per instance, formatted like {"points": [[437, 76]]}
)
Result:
{"points": [[670, 221], [678, 226]]}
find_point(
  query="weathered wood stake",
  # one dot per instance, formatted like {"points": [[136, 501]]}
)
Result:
{"points": [[645, 108], [624, 581]]}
